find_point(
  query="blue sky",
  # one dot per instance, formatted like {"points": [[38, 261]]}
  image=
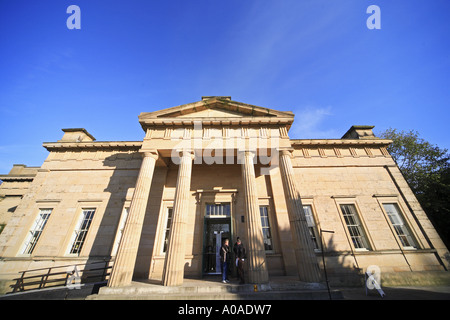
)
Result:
{"points": [[316, 58]]}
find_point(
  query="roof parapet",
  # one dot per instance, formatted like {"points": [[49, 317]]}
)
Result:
{"points": [[76, 135], [360, 132]]}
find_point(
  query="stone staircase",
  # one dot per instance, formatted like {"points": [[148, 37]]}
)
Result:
{"points": [[283, 288]]}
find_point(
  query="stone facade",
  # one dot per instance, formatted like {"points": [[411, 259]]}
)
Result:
{"points": [[210, 169], [14, 185]]}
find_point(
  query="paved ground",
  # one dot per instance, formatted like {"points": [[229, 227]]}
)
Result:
{"points": [[398, 293], [392, 293]]}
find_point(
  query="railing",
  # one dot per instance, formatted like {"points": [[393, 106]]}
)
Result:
{"points": [[62, 276]]}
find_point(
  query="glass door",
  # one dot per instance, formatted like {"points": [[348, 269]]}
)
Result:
{"points": [[215, 231]]}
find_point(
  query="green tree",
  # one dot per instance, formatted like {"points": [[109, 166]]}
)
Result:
{"points": [[426, 168]]}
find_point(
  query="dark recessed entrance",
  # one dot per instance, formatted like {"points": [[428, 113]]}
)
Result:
{"points": [[217, 227]]}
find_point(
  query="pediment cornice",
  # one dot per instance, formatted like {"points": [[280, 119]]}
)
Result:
{"points": [[215, 111]]}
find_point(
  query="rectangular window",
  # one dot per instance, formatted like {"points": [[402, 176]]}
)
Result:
{"points": [[267, 236], [81, 230], [218, 209], [403, 233], [311, 225], [167, 230], [36, 230], [354, 226]]}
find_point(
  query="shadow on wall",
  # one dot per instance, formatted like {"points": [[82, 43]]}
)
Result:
{"points": [[346, 269], [341, 267], [91, 266], [124, 178], [126, 170]]}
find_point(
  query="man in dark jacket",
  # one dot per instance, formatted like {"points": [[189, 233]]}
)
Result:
{"points": [[240, 254]]}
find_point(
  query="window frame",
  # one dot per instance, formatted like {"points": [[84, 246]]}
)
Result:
{"points": [[78, 225], [217, 205], [158, 246], [314, 228], [357, 225], [268, 227], [167, 228], [401, 216], [32, 229], [346, 200]]}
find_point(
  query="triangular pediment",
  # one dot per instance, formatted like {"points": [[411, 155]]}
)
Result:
{"points": [[215, 108], [213, 112]]}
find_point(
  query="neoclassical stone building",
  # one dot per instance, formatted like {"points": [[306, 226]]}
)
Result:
{"points": [[213, 169]]}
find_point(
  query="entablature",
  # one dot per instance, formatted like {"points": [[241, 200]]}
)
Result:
{"points": [[58, 146]]}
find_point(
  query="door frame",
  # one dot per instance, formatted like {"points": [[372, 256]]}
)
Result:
{"points": [[214, 196], [206, 222]]}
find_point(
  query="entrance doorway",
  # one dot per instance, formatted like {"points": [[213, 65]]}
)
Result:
{"points": [[217, 227]]}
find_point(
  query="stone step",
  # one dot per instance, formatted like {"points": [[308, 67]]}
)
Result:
{"points": [[265, 295], [140, 289], [215, 290]]}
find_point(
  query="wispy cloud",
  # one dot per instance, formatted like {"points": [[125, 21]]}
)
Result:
{"points": [[311, 123], [53, 62], [275, 43]]}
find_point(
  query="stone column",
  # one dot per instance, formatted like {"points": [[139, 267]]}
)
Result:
{"points": [[257, 267], [308, 268], [123, 267], [173, 272]]}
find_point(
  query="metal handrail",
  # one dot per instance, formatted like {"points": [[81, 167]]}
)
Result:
{"points": [[42, 279]]}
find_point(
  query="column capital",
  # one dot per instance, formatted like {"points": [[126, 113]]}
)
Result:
{"points": [[242, 154], [185, 153], [246, 152], [150, 153], [177, 155], [287, 152]]}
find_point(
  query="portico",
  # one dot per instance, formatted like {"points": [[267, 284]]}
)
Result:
{"points": [[215, 132]]}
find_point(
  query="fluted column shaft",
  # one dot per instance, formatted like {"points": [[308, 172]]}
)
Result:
{"points": [[257, 267], [308, 268], [173, 272], [125, 260]]}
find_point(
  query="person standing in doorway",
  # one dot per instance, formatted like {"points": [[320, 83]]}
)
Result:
{"points": [[225, 255], [240, 254]]}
